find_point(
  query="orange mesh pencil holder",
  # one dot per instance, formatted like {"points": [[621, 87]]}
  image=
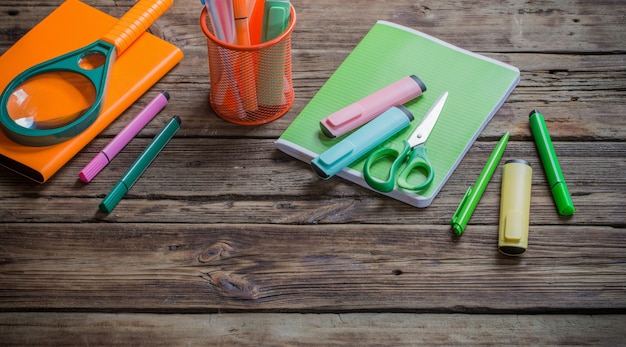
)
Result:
{"points": [[250, 85]]}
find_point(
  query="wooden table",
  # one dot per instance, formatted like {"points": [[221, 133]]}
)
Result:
{"points": [[225, 240]]}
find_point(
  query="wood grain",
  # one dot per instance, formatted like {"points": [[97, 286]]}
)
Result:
{"points": [[226, 240], [249, 181], [170, 267], [308, 329]]}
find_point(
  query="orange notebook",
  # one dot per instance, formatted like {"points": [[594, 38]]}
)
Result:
{"points": [[71, 26]]}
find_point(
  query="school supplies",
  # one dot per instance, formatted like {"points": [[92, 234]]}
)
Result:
{"points": [[256, 21], [222, 19], [272, 83], [366, 109], [140, 165], [56, 100], [242, 28], [478, 86], [413, 151], [361, 141], [246, 66], [514, 207], [275, 19], [141, 66], [550, 163], [472, 197], [256, 80], [104, 157], [247, 22]]}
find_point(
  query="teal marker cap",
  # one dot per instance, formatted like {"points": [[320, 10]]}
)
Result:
{"points": [[114, 197]]}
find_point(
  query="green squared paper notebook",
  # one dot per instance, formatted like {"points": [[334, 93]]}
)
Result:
{"points": [[477, 86]]}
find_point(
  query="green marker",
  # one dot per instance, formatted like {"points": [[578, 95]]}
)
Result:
{"points": [[469, 202], [140, 165], [550, 163]]}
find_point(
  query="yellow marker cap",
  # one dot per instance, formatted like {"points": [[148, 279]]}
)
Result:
{"points": [[514, 207]]}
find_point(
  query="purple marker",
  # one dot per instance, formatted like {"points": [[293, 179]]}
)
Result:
{"points": [[120, 141]]}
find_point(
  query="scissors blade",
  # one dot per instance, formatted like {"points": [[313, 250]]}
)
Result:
{"points": [[420, 134]]}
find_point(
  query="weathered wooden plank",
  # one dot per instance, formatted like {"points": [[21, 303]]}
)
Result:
{"points": [[331, 268], [40, 329], [249, 181], [580, 98], [224, 222], [580, 101], [508, 25], [503, 26], [570, 87]]}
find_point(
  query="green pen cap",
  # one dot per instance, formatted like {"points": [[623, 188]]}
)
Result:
{"points": [[114, 197], [457, 228], [563, 200]]}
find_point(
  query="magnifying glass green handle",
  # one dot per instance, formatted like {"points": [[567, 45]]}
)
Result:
{"points": [[55, 100]]}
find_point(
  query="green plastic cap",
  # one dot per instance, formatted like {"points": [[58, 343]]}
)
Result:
{"points": [[563, 200], [113, 198], [457, 228]]}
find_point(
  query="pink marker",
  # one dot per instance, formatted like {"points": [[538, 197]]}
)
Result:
{"points": [[120, 141], [371, 106]]}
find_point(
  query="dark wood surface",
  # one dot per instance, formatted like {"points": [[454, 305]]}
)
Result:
{"points": [[226, 240]]}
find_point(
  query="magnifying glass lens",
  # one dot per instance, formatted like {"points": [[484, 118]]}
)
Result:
{"points": [[51, 100]]}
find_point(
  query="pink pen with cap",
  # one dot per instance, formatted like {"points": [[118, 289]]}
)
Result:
{"points": [[371, 106], [102, 159]]}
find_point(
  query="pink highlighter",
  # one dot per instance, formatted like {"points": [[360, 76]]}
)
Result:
{"points": [[120, 141], [371, 106]]}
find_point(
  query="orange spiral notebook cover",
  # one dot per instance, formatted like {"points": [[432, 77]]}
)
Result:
{"points": [[71, 26]]}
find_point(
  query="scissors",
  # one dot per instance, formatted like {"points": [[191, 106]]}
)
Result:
{"points": [[413, 149]]}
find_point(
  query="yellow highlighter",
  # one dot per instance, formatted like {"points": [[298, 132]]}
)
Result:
{"points": [[514, 207]]}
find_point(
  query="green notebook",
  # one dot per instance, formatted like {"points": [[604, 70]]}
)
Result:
{"points": [[477, 86]]}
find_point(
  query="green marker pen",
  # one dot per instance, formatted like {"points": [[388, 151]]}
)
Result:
{"points": [[140, 165], [550, 163], [469, 202]]}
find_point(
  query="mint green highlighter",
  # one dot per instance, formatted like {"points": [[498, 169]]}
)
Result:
{"points": [[360, 142], [275, 19]]}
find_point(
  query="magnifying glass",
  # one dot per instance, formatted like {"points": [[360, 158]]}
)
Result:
{"points": [[54, 101]]}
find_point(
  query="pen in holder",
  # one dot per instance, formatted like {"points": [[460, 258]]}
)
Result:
{"points": [[241, 75]]}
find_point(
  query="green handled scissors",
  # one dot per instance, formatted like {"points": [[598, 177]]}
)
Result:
{"points": [[413, 149]]}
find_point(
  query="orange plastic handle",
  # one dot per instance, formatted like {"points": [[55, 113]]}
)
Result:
{"points": [[135, 22]]}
